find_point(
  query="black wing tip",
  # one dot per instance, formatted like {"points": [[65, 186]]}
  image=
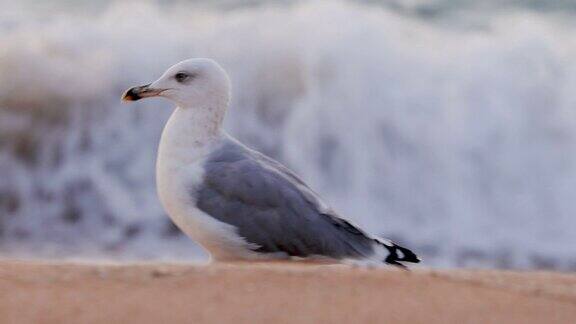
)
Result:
{"points": [[399, 254], [408, 255]]}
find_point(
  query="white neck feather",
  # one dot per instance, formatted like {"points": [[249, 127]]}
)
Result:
{"points": [[189, 133]]}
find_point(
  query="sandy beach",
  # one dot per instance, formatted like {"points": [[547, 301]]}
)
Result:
{"points": [[40, 292]]}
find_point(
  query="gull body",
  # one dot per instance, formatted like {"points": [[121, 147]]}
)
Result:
{"points": [[179, 173], [236, 202]]}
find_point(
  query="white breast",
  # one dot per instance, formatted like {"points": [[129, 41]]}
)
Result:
{"points": [[179, 172]]}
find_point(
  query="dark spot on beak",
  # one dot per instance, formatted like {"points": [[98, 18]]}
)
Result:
{"points": [[131, 95], [135, 93]]}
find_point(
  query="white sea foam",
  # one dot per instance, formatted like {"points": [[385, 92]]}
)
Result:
{"points": [[457, 140]]}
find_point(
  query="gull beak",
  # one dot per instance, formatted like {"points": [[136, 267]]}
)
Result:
{"points": [[140, 92]]}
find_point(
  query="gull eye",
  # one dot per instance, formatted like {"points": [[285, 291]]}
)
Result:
{"points": [[181, 76]]}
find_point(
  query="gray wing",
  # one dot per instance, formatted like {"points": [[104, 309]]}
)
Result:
{"points": [[272, 208]]}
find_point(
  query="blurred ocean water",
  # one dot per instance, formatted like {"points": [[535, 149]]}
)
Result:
{"points": [[449, 126]]}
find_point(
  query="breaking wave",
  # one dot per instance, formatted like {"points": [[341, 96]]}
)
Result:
{"points": [[457, 139]]}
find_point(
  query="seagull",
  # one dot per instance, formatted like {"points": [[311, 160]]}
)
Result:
{"points": [[237, 203]]}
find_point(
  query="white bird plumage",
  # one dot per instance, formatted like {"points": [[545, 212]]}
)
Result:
{"points": [[236, 202]]}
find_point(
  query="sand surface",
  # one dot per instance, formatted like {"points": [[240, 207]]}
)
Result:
{"points": [[32, 292]]}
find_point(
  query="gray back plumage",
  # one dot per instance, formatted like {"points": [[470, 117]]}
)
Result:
{"points": [[272, 208]]}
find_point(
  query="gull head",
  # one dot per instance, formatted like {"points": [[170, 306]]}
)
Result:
{"points": [[190, 83]]}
